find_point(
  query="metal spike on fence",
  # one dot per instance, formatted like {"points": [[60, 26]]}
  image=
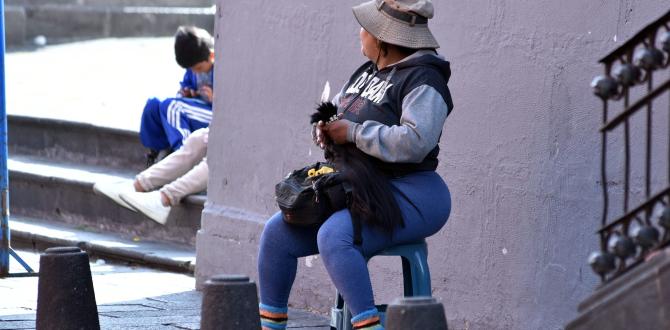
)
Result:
{"points": [[423, 313], [65, 296], [230, 302]]}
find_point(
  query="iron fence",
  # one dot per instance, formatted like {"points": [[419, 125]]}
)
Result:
{"points": [[636, 78]]}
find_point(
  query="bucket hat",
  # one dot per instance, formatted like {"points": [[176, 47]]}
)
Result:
{"points": [[398, 22]]}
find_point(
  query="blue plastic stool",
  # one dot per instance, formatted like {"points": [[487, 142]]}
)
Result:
{"points": [[415, 274]]}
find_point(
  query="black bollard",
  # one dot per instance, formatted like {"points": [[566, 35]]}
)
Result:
{"points": [[423, 313], [65, 296], [230, 302]]}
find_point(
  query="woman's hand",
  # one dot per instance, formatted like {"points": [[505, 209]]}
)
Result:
{"points": [[318, 136], [337, 130]]}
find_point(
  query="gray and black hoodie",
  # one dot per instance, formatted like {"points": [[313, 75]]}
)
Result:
{"points": [[398, 112]]}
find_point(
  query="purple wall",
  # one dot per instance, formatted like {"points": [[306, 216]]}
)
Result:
{"points": [[520, 152]]}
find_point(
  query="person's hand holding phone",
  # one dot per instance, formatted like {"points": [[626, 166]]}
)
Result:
{"points": [[187, 92], [207, 93]]}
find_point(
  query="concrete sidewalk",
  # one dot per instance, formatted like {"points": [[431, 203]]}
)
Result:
{"points": [[104, 82]]}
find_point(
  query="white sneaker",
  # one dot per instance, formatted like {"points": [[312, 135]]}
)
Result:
{"points": [[114, 189], [149, 204]]}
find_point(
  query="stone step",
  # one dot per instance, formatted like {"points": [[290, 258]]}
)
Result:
{"points": [[37, 234], [72, 142], [60, 192], [15, 25], [66, 22]]}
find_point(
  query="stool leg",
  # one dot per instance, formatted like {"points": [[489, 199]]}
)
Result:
{"points": [[337, 317], [346, 320], [407, 277], [421, 275], [340, 316]]}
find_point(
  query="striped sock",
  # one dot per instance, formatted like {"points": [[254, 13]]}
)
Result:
{"points": [[368, 320], [273, 318]]}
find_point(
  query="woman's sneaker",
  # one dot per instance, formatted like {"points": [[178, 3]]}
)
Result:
{"points": [[149, 204], [114, 189]]}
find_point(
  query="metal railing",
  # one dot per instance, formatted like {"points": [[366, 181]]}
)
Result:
{"points": [[6, 250], [629, 91]]}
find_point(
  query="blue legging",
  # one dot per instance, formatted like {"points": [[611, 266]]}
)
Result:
{"points": [[167, 123], [282, 244]]}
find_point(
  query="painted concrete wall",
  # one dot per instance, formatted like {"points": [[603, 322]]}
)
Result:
{"points": [[520, 152]]}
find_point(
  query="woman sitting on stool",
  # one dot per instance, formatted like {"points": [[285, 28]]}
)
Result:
{"points": [[397, 104]]}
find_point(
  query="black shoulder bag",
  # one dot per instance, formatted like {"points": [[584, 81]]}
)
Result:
{"points": [[308, 196]]}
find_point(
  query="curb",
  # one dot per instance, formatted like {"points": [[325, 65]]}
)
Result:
{"points": [[114, 253]]}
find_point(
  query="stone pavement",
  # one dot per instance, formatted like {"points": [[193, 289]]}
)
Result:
{"points": [[128, 297]]}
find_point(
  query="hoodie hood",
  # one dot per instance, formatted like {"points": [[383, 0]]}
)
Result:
{"points": [[426, 58]]}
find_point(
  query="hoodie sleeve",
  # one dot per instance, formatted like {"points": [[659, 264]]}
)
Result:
{"points": [[423, 114]]}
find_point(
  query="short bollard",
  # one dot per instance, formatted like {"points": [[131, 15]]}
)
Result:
{"points": [[230, 302], [65, 296], [423, 313]]}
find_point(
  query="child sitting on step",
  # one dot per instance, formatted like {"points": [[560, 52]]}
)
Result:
{"points": [[167, 123]]}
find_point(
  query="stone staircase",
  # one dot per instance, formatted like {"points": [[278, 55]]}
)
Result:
{"points": [[53, 165], [66, 20]]}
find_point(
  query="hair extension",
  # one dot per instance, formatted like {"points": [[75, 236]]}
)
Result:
{"points": [[372, 200]]}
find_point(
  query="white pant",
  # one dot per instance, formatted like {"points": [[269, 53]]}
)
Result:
{"points": [[181, 173]]}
